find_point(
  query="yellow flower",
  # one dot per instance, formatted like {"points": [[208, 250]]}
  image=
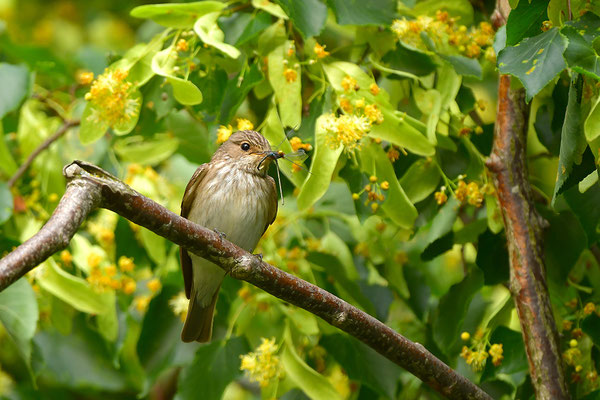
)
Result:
{"points": [[374, 89], [461, 191], [345, 105], [546, 26], [106, 235], [393, 154], [385, 185], [262, 365], [374, 114], [349, 83], [346, 130], [473, 50], [297, 144], [355, 196], [94, 260], [296, 168], [374, 207], [465, 336], [85, 77], [154, 285], [110, 270], [496, 353], [179, 305], [320, 51], [128, 285], [589, 308], [360, 103], [126, 264], [141, 303], [112, 99], [223, 133], [244, 124], [66, 257], [440, 197], [290, 75], [372, 178], [182, 45]]}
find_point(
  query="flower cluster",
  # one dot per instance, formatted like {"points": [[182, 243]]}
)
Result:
{"points": [[179, 305], [112, 98], [477, 353], [320, 51], [262, 365], [297, 144], [470, 193], [224, 132], [346, 130], [445, 31], [374, 192]]}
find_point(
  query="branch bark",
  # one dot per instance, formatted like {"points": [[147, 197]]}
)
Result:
{"points": [[523, 227], [90, 187]]}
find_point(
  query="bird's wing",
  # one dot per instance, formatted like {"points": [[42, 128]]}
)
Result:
{"points": [[272, 198], [186, 205]]}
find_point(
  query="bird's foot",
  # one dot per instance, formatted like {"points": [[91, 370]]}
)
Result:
{"points": [[221, 234]]}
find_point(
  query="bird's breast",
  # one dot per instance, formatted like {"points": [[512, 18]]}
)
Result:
{"points": [[235, 203]]}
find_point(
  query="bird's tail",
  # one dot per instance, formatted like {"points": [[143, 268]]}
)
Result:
{"points": [[199, 320]]}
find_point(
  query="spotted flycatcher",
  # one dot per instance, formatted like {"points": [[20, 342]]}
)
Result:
{"points": [[233, 195]]}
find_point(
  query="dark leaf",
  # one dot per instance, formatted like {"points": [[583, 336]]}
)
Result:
{"points": [[357, 12], [492, 257], [308, 16], [525, 20]]}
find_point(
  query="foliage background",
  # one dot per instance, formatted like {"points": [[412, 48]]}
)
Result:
{"points": [[104, 318]]}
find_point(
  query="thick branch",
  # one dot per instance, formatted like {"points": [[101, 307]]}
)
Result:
{"points": [[45, 144], [90, 187], [524, 235]]}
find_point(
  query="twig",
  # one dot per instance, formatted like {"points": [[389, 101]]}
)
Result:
{"points": [[45, 144], [90, 187], [523, 226]]}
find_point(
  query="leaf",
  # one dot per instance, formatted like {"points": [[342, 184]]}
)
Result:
{"points": [[464, 65], [397, 130], [525, 20], [564, 240], [321, 169], [585, 207], [236, 92], [308, 16], [143, 150], [450, 313], [591, 326], [356, 12], [269, 7], [176, 15], [207, 29], [587, 25], [430, 103], [127, 126], [6, 203], [580, 54], [7, 162], [405, 58], [535, 61], [514, 363], [572, 144], [155, 245], [287, 94], [19, 315], [257, 24], [363, 364], [492, 257], [313, 384], [460, 9], [184, 91], [16, 84], [74, 291], [215, 365], [193, 138], [397, 206], [591, 126], [91, 130]]}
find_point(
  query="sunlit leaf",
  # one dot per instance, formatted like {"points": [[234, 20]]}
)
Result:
{"points": [[177, 15], [16, 83], [287, 88], [206, 27]]}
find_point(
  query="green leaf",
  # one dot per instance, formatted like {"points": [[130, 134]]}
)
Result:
{"points": [[492, 257], [74, 290], [430, 103], [235, 93], [464, 65], [462, 10], [287, 94], [420, 180], [363, 364], [525, 20], [308, 16], [7, 162], [177, 15], [16, 84], [155, 245], [572, 144], [90, 129], [215, 365], [19, 315], [208, 30], [580, 54], [535, 61], [397, 130], [273, 131], [356, 12], [450, 313], [591, 126], [397, 205], [321, 169], [587, 25], [257, 24], [440, 236], [184, 91], [269, 7], [143, 150], [193, 138], [273, 37], [6, 203], [514, 363], [313, 384], [407, 59]]}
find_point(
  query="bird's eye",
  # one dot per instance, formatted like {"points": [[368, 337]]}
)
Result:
{"points": [[245, 146]]}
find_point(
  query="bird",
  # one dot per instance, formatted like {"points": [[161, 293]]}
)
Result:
{"points": [[234, 196]]}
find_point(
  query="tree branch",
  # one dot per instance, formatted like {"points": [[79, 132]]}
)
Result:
{"points": [[45, 144], [523, 227], [90, 187]]}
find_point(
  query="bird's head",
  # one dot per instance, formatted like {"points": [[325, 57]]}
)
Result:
{"points": [[249, 150]]}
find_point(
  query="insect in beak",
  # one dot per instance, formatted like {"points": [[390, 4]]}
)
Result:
{"points": [[271, 155]]}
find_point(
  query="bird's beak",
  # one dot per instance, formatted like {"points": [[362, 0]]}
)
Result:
{"points": [[270, 155]]}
